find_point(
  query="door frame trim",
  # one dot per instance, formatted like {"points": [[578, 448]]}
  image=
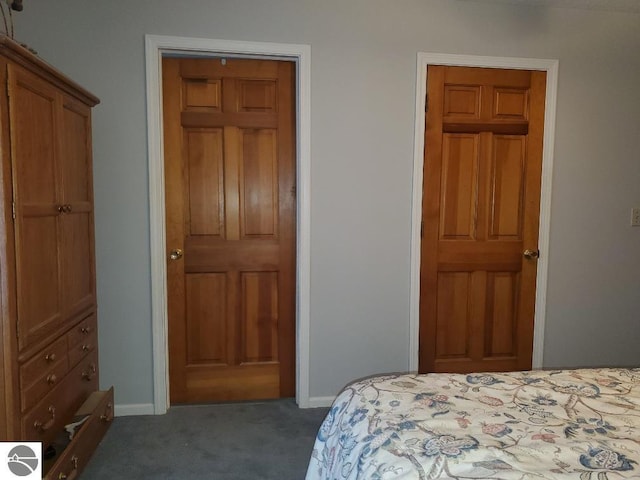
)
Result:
{"points": [[550, 66], [155, 47]]}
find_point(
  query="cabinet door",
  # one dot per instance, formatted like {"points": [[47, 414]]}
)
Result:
{"points": [[51, 155], [76, 245], [34, 147]]}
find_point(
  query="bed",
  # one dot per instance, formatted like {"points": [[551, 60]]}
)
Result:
{"points": [[563, 424]]}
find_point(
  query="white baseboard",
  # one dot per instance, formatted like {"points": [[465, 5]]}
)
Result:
{"points": [[134, 409], [148, 408], [315, 402]]}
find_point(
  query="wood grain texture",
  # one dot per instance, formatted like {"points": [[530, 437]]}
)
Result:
{"points": [[47, 267], [230, 174], [205, 177], [482, 169], [38, 193], [77, 246]]}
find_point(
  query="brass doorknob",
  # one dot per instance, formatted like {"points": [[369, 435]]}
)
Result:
{"points": [[531, 254], [176, 254]]}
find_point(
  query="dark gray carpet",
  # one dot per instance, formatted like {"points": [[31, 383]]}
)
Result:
{"points": [[243, 441]]}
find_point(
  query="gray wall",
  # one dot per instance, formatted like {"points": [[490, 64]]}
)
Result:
{"points": [[363, 87]]}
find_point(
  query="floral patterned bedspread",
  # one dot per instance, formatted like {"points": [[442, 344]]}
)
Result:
{"points": [[582, 424]]}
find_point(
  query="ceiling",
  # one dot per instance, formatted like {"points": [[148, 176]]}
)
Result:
{"points": [[611, 5]]}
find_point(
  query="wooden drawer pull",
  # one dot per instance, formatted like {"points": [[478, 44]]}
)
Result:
{"points": [[50, 357], [107, 416], [90, 373], [86, 348], [73, 473], [43, 427], [51, 379], [86, 330]]}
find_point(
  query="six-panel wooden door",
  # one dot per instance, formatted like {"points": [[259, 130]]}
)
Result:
{"points": [[481, 195], [230, 216]]}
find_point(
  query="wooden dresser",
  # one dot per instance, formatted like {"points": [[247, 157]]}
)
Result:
{"points": [[49, 359]]}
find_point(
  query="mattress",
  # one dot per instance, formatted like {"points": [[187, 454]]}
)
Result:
{"points": [[562, 424]]}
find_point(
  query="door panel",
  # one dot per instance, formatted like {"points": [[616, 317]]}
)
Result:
{"points": [[204, 159], [256, 96], [501, 314], [33, 108], [459, 186], [481, 192], [76, 247], [259, 313], [258, 170], [206, 318], [453, 321], [507, 192], [230, 184]]}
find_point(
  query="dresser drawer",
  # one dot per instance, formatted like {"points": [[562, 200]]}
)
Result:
{"points": [[82, 339], [79, 350], [57, 407], [73, 457], [43, 362], [48, 417], [84, 377], [49, 379]]}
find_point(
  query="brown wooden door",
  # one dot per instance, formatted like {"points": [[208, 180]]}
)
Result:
{"points": [[230, 210], [481, 196]]}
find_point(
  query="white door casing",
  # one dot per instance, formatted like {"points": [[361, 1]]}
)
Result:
{"points": [[155, 47]]}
